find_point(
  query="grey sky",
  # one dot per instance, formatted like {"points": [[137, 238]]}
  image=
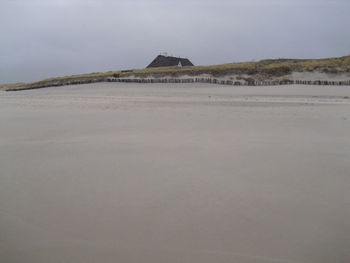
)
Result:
{"points": [[45, 38]]}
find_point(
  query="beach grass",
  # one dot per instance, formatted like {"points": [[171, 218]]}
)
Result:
{"points": [[272, 67]]}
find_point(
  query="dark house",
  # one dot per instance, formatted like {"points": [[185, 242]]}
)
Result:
{"points": [[168, 61]]}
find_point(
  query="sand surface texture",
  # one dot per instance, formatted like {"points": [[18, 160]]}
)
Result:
{"points": [[175, 173]]}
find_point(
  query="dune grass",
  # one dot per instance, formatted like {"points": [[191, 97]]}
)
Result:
{"points": [[272, 67], [12, 85], [339, 64]]}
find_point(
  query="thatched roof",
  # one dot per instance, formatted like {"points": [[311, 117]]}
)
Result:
{"points": [[167, 61]]}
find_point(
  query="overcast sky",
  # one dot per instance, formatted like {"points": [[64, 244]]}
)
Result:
{"points": [[46, 38]]}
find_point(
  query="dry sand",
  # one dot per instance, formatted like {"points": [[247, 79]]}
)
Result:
{"points": [[175, 173]]}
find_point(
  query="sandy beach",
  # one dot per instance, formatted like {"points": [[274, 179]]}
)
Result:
{"points": [[176, 173]]}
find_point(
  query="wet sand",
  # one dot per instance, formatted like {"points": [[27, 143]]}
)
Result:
{"points": [[175, 173]]}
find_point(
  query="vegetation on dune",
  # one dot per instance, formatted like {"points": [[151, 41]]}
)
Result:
{"points": [[275, 67], [341, 64], [12, 85], [79, 76], [267, 67]]}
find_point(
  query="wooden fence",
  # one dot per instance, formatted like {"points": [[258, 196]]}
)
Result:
{"points": [[188, 80], [231, 82]]}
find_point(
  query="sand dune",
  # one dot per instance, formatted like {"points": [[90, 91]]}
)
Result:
{"points": [[175, 173]]}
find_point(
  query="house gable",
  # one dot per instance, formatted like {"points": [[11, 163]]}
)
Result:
{"points": [[168, 61]]}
